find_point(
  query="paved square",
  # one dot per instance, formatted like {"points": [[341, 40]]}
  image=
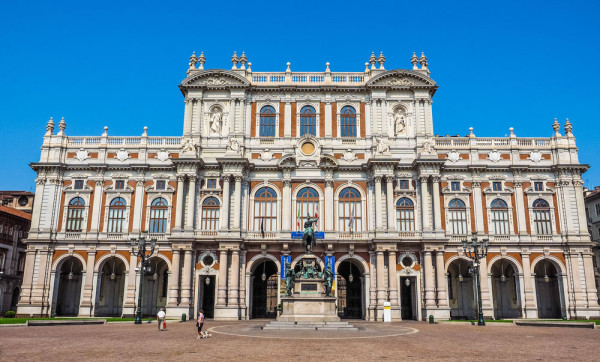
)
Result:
{"points": [[245, 341]]}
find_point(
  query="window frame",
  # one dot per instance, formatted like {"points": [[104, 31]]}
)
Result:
{"points": [[305, 204], [499, 217], [78, 185], [454, 185], [210, 213], [267, 122], [265, 209], [457, 218], [158, 221], [161, 185], [117, 216], [346, 206], [405, 214], [542, 217], [348, 122], [119, 185], [75, 220], [308, 121]]}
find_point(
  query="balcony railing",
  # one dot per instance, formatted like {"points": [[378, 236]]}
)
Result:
{"points": [[124, 141], [309, 78], [492, 143]]}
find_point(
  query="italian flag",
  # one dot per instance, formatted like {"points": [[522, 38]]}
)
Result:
{"points": [[298, 219]]}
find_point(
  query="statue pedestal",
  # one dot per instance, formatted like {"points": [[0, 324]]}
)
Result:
{"points": [[309, 303]]}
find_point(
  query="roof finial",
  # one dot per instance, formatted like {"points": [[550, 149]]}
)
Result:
{"points": [[414, 60], [201, 60], [249, 69], [61, 126], [568, 128], [193, 61], [288, 67], [105, 134], [50, 127], [145, 134], [423, 61], [243, 61], [366, 67], [381, 60], [327, 68], [471, 134], [512, 132], [234, 60], [556, 127], [372, 60]]}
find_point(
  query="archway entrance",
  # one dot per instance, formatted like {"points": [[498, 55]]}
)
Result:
{"points": [[15, 299], [265, 290], [206, 296], [349, 290], [69, 287], [110, 291], [460, 291], [407, 287], [505, 290], [548, 295], [155, 290]]}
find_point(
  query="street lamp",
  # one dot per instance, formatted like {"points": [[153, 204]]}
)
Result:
{"points": [[141, 253], [475, 251]]}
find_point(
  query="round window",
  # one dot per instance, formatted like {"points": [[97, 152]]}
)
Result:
{"points": [[208, 260], [407, 261], [23, 200]]}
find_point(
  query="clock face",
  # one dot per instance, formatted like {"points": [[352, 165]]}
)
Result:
{"points": [[23, 200]]}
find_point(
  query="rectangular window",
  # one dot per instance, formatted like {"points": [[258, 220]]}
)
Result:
{"points": [[455, 186], [538, 186], [497, 186], [119, 185], [598, 209], [160, 185], [78, 184], [403, 184], [211, 183]]}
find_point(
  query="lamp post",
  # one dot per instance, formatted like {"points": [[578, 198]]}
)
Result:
{"points": [[476, 250], [141, 253]]}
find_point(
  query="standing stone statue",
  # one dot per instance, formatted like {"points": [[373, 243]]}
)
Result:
{"points": [[328, 279], [290, 277], [308, 238], [216, 121]]}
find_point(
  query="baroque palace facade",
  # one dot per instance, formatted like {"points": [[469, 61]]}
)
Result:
{"points": [[260, 152]]}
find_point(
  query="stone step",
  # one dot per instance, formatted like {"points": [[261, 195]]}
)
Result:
{"points": [[319, 326]]}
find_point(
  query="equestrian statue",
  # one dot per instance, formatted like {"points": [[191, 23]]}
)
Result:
{"points": [[308, 238]]}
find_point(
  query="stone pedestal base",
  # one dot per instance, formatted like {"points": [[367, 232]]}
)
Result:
{"points": [[227, 313], [309, 304]]}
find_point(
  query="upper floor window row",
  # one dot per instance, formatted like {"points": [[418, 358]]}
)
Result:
{"points": [[267, 122]]}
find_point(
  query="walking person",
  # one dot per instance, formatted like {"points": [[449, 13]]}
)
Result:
{"points": [[200, 323], [160, 318]]}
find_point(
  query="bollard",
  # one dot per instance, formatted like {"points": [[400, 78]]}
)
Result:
{"points": [[431, 319], [183, 317]]}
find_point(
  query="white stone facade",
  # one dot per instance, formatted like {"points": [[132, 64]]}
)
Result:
{"points": [[259, 150]]}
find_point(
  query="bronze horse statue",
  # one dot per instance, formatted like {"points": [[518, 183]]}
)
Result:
{"points": [[308, 238]]}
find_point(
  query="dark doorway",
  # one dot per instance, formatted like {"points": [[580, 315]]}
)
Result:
{"points": [[207, 295], [111, 288], [504, 290], [264, 290], [69, 288], [349, 291], [548, 296], [155, 289], [15, 299], [406, 298], [460, 288]]}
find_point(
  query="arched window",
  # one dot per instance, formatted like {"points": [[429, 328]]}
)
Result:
{"points": [[348, 122], [267, 122], [307, 203], [116, 215], [541, 217], [349, 210], [75, 215], [405, 214], [457, 217], [500, 217], [308, 121], [265, 209], [210, 214], [158, 215]]}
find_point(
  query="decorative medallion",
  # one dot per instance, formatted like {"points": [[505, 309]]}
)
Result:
{"points": [[401, 82], [307, 148], [162, 155], [122, 155], [494, 156], [349, 156], [453, 156], [535, 156], [82, 155], [266, 155]]}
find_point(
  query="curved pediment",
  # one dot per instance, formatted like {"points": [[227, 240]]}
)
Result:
{"points": [[401, 78], [215, 78]]}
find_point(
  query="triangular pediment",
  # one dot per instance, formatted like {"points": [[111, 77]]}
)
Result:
{"points": [[215, 78], [401, 78]]}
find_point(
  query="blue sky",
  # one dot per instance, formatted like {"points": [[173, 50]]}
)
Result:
{"points": [[498, 64]]}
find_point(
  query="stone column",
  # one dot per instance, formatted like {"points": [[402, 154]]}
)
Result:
{"points": [[235, 278], [224, 222], [329, 205], [129, 299], [329, 122], [521, 209], [38, 294], [27, 278], [372, 285], [391, 210], [580, 297], [242, 276], [381, 295], [180, 208], [426, 215], [174, 282], [86, 303], [578, 184], [530, 302], [237, 198], [222, 291], [429, 281], [287, 205], [287, 125], [378, 205], [590, 283], [191, 204], [139, 206], [186, 284], [95, 214], [487, 304], [440, 272], [437, 213], [37, 204], [478, 206], [393, 278]]}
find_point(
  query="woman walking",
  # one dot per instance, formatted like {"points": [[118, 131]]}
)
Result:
{"points": [[199, 324]]}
